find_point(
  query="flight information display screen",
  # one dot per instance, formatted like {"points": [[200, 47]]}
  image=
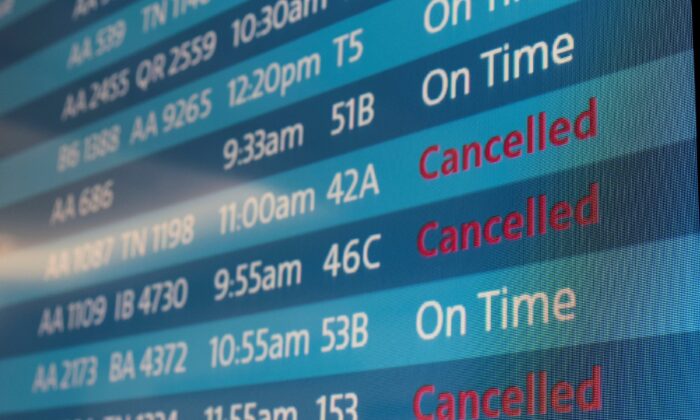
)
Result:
{"points": [[348, 209]]}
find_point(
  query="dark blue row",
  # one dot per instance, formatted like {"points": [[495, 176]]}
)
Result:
{"points": [[44, 114], [399, 111], [636, 206], [648, 378], [45, 26]]}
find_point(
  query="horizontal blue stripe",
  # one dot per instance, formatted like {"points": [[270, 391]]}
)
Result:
{"points": [[654, 106], [668, 179], [374, 60], [46, 24], [649, 378], [617, 297]]}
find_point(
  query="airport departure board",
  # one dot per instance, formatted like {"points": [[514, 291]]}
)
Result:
{"points": [[348, 209]]}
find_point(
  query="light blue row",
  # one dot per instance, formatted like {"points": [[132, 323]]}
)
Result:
{"points": [[634, 292], [383, 49], [20, 9], [25, 81], [655, 114]]}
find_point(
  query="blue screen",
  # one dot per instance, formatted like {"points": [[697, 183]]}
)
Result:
{"points": [[348, 209]]}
